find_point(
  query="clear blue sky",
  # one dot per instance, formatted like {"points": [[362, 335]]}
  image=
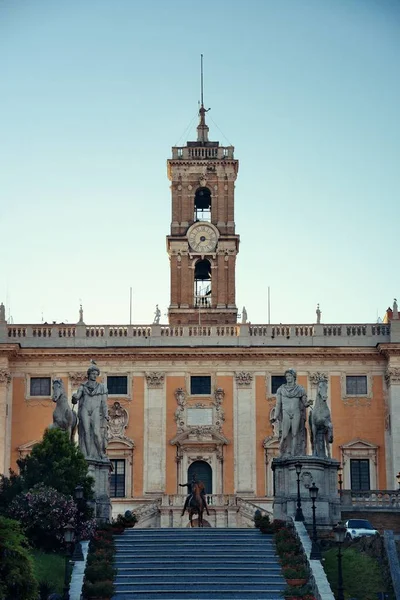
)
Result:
{"points": [[93, 94]]}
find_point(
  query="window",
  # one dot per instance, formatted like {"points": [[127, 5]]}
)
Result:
{"points": [[276, 382], [40, 386], [202, 205], [200, 384], [359, 475], [117, 479], [356, 385], [117, 385]]}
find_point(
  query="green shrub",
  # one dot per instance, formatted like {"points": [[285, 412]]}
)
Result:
{"points": [[17, 578], [99, 589], [100, 571]]}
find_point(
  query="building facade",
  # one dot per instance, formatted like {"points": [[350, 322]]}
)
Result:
{"points": [[198, 394]]}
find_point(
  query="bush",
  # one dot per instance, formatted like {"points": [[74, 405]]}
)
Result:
{"points": [[99, 589], [99, 572], [127, 520], [44, 513], [17, 578]]}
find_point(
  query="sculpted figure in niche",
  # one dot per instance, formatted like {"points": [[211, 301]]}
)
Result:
{"points": [[91, 398], [290, 411]]}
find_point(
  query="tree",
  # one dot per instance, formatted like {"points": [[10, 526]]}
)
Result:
{"points": [[58, 463], [17, 579]]}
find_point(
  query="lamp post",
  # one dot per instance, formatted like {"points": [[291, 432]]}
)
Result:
{"points": [[315, 550], [299, 513], [340, 534], [340, 480], [69, 534], [78, 492]]}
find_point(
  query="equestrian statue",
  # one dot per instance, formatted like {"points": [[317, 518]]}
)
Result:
{"points": [[195, 501]]}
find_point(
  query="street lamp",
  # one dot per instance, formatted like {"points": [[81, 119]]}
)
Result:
{"points": [[340, 534], [340, 480], [315, 550], [299, 513], [69, 535]]}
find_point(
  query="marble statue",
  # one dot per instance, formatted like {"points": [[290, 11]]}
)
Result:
{"points": [[91, 398], [2, 313], [321, 429], [244, 315], [63, 415], [290, 411], [318, 311], [157, 316], [395, 310]]}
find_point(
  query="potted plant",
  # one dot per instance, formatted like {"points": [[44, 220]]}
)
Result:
{"points": [[265, 524], [296, 575]]}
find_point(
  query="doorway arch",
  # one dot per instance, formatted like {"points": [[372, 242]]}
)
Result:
{"points": [[203, 472]]}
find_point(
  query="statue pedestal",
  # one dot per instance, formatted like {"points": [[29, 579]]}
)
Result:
{"points": [[322, 472], [100, 471]]}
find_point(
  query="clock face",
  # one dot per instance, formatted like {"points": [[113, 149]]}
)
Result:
{"points": [[202, 238]]}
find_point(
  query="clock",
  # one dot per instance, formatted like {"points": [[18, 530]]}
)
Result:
{"points": [[203, 237]]}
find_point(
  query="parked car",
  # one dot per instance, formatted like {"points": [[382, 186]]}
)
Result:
{"points": [[359, 527]]}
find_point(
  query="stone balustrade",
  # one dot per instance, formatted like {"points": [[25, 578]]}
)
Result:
{"points": [[62, 335], [375, 499], [202, 152]]}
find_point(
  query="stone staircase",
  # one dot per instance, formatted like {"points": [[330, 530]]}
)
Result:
{"points": [[194, 564]]}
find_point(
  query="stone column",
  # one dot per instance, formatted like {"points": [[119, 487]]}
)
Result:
{"points": [[392, 377], [154, 459], [244, 435], [5, 379]]}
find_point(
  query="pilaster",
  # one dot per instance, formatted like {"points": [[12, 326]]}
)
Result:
{"points": [[154, 462], [244, 435], [5, 380]]}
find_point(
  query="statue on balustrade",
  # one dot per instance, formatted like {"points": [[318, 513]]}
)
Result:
{"points": [[290, 411], [91, 398], [321, 429]]}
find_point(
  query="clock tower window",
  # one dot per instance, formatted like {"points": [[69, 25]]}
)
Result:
{"points": [[202, 283], [202, 204]]}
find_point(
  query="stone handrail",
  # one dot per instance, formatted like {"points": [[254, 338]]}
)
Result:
{"points": [[393, 560], [385, 499], [240, 334], [249, 508], [214, 500]]}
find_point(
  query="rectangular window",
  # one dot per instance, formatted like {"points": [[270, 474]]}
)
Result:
{"points": [[200, 384], [117, 479], [276, 382], [359, 475], [40, 386], [356, 385], [117, 385]]}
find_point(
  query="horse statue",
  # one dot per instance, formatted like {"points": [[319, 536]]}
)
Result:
{"points": [[196, 504], [319, 420], [63, 415]]}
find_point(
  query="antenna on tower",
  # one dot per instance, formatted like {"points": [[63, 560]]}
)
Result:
{"points": [[201, 71]]}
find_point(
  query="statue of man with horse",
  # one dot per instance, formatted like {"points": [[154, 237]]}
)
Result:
{"points": [[320, 423], [196, 500], [63, 415], [290, 411]]}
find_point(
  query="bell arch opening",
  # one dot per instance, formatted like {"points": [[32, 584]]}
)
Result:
{"points": [[202, 283], [202, 204]]}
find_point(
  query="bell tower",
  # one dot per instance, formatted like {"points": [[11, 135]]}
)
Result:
{"points": [[202, 244]]}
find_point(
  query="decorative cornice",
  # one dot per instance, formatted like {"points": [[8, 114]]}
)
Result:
{"points": [[77, 378], [315, 378], [392, 376], [5, 376], [155, 379], [243, 379]]}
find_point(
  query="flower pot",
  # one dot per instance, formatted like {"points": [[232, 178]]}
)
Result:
{"points": [[296, 582]]}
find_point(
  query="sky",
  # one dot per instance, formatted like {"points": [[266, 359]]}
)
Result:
{"points": [[93, 95]]}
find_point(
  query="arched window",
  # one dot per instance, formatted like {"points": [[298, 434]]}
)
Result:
{"points": [[202, 283], [202, 205], [203, 473]]}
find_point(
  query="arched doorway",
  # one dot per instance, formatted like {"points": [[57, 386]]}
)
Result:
{"points": [[203, 472]]}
